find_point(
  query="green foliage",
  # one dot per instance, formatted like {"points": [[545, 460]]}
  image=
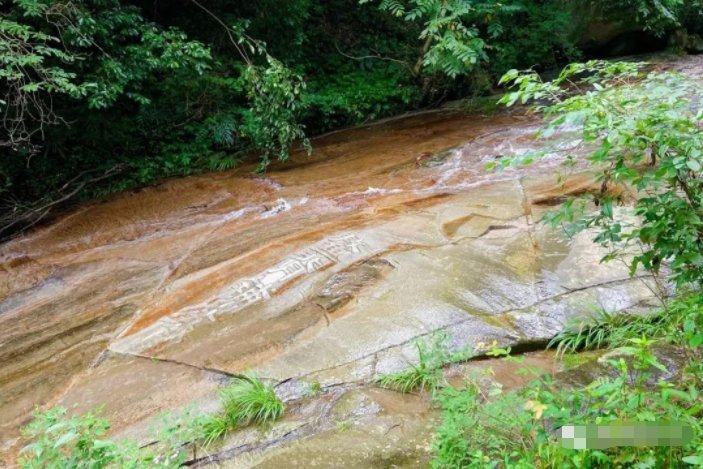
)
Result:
{"points": [[245, 400], [474, 429], [63, 442], [249, 400], [691, 16], [26, 75], [359, 96], [271, 122], [676, 323], [118, 49], [539, 35], [657, 16], [489, 428], [427, 375], [100, 96], [213, 427], [452, 42], [130, 49], [591, 333], [605, 329], [646, 134], [314, 389], [641, 133]]}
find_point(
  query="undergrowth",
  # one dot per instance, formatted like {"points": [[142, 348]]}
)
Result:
{"points": [[60, 441], [644, 128], [427, 375], [605, 329], [486, 427]]}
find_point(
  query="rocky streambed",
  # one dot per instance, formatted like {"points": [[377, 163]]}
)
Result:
{"points": [[318, 276]]}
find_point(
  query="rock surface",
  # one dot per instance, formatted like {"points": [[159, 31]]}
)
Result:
{"points": [[324, 272]]}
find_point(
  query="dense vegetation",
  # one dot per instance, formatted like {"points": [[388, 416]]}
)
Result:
{"points": [[484, 426], [102, 95], [646, 131], [207, 92], [642, 130]]}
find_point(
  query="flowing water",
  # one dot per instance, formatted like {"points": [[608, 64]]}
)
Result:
{"points": [[324, 270]]}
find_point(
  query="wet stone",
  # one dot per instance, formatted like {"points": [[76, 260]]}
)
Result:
{"points": [[318, 277], [343, 286], [597, 364], [429, 160]]}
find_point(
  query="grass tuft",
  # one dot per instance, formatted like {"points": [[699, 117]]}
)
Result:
{"points": [[612, 330], [249, 400], [213, 427], [416, 378], [588, 333], [427, 375]]}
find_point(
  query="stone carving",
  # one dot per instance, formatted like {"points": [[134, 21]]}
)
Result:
{"points": [[310, 260], [168, 329], [298, 264], [340, 246], [247, 291]]}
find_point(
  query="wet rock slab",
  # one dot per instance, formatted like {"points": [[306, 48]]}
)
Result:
{"points": [[358, 428], [351, 306], [325, 272]]}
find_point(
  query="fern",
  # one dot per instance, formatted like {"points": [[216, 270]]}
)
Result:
{"points": [[452, 45]]}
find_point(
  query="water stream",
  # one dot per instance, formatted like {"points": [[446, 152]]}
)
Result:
{"points": [[323, 270]]}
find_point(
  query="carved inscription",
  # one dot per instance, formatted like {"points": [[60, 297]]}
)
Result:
{"points": [[247, 291]]}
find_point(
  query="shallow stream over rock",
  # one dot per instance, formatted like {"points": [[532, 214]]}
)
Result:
{"points": [[325, 270]]}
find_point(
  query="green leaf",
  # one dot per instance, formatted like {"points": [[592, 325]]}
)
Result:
{"points": [[693, 165], [65, 438]]}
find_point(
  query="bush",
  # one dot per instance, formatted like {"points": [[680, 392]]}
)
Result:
{"points": [[488, 428], [645, 129], [643, 133], [605, 329], [62, 442], [540, 35], [358, 96]]}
